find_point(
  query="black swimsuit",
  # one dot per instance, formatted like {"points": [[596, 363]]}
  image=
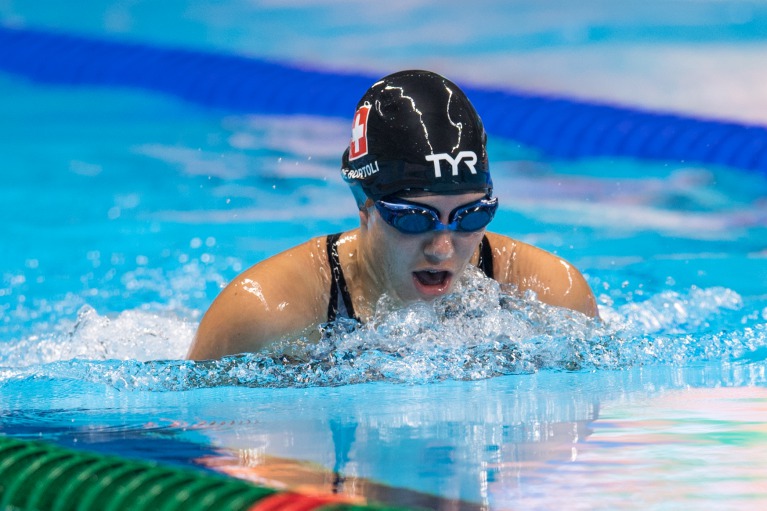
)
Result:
{"points": [[340, 304]]}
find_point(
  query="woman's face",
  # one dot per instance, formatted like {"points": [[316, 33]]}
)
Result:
{"points": [[411, 267]]}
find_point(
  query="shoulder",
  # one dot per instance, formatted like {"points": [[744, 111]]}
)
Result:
{"points": [[284, 295], [552, 278]]}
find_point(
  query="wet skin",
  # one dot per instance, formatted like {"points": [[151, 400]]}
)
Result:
{"points": [[410, 267], [287, 295]]}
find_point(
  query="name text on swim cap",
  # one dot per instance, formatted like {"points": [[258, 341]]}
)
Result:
{"points": [[362, 172], [468, 157]]}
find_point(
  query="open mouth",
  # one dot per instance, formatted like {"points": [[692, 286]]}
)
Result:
{"points": [[431, 282], [431, 278]]}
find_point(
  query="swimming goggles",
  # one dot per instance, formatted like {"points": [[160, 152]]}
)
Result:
{"points": [[413, 218]]}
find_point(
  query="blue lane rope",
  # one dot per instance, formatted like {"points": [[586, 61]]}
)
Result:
{"points": [[559, 127]]}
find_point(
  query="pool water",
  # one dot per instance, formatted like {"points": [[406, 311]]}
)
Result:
{"points": [[124, 212]]}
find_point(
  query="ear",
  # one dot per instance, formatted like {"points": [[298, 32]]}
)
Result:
{"points": [[366, 214], [364, 218]]}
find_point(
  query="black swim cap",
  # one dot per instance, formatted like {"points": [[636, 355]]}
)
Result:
{"points": [[415, 131]]}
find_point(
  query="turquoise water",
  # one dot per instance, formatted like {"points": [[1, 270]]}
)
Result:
{"points": [[124, 213]]}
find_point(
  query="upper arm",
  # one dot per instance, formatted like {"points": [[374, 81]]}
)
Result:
{"points": [[554, 280], [277, 298], [566, 287]]}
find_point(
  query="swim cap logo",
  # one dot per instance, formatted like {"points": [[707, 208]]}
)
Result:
{"points": [[359, 143], [468, 157]]}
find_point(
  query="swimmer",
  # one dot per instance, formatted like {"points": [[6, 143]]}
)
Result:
{"points": [[418, 168]]}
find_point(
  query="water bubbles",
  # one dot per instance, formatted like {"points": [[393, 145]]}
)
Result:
{"points": [[674, 312], [480, 331], [131, 335], [114, 213], [17, 280]]}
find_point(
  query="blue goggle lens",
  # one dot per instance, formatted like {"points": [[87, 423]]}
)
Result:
{"points": [[413, 218]]}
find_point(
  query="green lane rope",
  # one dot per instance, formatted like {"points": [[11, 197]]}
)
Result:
{"points": [[37, 476]]}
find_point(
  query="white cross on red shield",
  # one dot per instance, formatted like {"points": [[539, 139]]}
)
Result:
{"points": [[359, 143]]}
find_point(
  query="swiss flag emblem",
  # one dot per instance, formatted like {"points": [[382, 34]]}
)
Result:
{"points": [[359, 144]]}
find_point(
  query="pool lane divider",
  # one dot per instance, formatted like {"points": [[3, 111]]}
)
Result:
{"points": [[40, 476], [557, 126]]}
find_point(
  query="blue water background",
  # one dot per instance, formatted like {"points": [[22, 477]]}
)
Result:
{"points": [[124, 212]]}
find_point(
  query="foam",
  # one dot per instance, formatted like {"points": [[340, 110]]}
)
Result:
{"points": [[478, 332]]}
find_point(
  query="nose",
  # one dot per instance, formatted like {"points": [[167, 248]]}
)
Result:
{"points": [[439, 247]]}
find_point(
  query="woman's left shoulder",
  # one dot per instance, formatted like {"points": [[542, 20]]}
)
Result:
{"points": [[555, 280]]}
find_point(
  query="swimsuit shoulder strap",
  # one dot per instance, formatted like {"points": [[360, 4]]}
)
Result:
{"points": [[340, 303], [485, 262]]}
